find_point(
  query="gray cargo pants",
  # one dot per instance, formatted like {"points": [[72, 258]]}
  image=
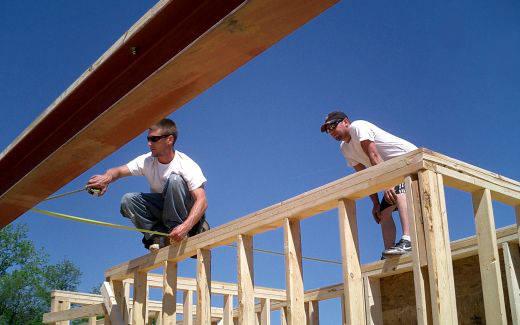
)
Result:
{"points": [[161, 211]]}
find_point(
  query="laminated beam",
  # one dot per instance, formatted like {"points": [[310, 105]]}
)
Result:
{"points": [[175, 52]]}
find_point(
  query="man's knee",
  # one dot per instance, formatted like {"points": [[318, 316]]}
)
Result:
{"points": [[176, 182], [127, 202]]}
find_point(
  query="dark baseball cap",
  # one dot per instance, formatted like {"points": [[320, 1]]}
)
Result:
{"points": [[333, 117]]}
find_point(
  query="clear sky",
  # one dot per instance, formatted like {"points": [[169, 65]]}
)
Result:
{"points": [[443, 74]]}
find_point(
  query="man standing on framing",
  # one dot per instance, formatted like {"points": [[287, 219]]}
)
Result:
{"points": [[178, 200], [363, 144]]}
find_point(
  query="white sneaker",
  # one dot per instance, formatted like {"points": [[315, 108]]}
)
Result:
{"points": [[402, 247], [154, 248]]}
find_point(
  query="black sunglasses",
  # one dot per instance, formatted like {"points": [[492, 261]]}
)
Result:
{"points": [[155, 138], [331, 126]]}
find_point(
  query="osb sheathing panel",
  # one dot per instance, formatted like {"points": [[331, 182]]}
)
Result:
{"points": [[398, 294]]}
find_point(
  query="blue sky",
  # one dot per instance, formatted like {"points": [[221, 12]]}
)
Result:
{"points": [[444, 75]]}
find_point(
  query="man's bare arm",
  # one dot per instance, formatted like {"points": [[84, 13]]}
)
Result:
{"points": [[374, 197], [199, 207], [101, 181], [369, 147]]}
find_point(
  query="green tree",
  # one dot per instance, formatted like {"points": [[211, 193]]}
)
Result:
{"points": [[27, 278]]}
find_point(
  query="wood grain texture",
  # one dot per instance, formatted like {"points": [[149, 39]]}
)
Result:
{"points": [[294, 272], [352, 280]]}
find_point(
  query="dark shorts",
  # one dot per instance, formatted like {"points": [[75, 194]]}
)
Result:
{"points": [[398, 190]]}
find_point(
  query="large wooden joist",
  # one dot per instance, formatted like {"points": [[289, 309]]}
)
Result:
{"points": [[172, 54]]}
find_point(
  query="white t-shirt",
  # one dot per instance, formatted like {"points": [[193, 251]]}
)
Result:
{"points": [[388, 145], [157, 174]]}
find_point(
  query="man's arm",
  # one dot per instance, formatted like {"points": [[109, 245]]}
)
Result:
{"points": [[199, 207], [374, 197], [369, 147], [101, 181]]}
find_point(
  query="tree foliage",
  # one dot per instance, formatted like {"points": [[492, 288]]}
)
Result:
{"points": [[27, 278]]}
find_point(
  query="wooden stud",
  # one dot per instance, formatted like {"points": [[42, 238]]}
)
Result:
{"points": [[169, 300], [92, 320], [440, 267], [265, 311], [258, 316], [74, 313], [517, 212], [246, 297], [343, 317], [203, 286], [494, 304], [122, 294], [140, 312], [127, 314], [444, 214], [294, 272], [106, 316], [217, 287], [54, 306], [111, 307], [63, 306], [466, 177], [373, 306], [512, 268], [228, 310], [187, 307], [413, 202], [353, 283], [283, 316], [312, 312]]}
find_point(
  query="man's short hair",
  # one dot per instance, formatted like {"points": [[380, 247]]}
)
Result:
{"points": [[167, 126]]}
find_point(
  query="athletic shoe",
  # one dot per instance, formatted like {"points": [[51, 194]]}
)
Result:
{"points": [[156, 243], [154, 248], [402, 247]]}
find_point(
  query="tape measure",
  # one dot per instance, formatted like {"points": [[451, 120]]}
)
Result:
{"points": [[93, 191]]}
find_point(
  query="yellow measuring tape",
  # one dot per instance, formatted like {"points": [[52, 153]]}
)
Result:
{"points": [[116, 226], [96, 222]]}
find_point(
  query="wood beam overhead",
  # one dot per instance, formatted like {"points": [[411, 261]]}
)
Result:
{"points": [[172, 54]]}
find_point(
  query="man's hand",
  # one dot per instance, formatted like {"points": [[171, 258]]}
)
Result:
{"points": [[179, 233], [100, 182], [391, 196], [376, 213]]}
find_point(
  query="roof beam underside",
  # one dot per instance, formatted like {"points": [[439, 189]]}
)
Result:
{"points": [[173, 53]]}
